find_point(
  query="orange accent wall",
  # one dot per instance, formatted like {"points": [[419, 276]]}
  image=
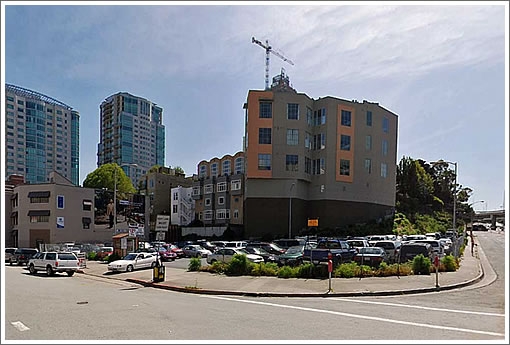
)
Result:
{"points": [[349, 155], [254, 123]]}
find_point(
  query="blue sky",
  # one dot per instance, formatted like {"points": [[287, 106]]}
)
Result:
{"points": [[440, 68]]}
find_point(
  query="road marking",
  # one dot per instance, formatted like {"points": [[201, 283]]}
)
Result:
{"points": [[418, 307], [359, 316], [20, 326]]}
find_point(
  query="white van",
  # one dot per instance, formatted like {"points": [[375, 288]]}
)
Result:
{"points": [[236, 244]]}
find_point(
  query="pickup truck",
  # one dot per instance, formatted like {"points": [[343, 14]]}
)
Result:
{"points": [[340, 250]]}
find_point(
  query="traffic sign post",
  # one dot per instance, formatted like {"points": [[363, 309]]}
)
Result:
{"points": [[436, 263], [330, 269]]}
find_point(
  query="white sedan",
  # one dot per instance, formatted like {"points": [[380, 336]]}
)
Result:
{"points": [[226, 255], [133, 261]]}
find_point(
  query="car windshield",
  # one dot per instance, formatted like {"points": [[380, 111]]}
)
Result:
{"points": [[130, 257], [370, 250], [66, 256], [294, 250], [242, 251]]}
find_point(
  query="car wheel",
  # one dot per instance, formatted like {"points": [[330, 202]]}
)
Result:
{"points": [[129, 268], [70, 273], [49, 271], [31, 269], [153, 264]]}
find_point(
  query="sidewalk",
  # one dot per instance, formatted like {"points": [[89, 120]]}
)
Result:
{"points": [[471, 270]]}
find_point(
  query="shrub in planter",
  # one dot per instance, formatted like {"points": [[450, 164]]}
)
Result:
{"points": [[91, 256], [239, 265], [449, 263], [421, 265], [347, 270], [194, 264], [287, 272], [264, 269]]}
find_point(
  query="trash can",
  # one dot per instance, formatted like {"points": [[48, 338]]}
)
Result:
{"points": [[158, 274]]}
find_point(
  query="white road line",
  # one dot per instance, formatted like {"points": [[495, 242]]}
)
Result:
{"points": [[20, 326], [359, 316], [417, 307]]}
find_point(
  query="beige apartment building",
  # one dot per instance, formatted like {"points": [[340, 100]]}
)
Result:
{"points": [[326, 159]]}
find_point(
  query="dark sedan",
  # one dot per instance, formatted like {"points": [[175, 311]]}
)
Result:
{"points": [[371, 256]]}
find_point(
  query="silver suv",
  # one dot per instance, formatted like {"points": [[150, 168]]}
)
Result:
{"points": [[53, 262]]}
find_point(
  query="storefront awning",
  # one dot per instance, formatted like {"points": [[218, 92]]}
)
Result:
{"points": [[38, 213], [40, 194]]}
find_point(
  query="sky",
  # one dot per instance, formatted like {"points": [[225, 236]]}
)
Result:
{"points": [[443, 69]]}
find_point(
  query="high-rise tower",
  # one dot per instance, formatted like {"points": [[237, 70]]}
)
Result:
{"points": [[42, 135], [131, 134]]}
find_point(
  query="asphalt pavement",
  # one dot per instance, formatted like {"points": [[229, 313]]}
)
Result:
{"points": [[472, 269]]}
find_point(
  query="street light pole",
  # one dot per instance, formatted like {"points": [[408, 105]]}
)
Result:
{"points": [[115, 200], [290, 209]]}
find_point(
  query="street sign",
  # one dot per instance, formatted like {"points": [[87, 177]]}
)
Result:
{"points": [[160, 236], [313, 222], [162, 222]]}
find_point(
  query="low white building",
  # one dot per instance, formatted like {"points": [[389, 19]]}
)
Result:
{"points": [[182, 206]]}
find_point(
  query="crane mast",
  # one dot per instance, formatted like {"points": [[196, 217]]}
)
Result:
{"points": [[269, 49]]}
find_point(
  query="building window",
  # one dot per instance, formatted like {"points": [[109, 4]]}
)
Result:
{"points": [[264, 161], [265, 110], [368, 142], [309, 116], [214, 170], [39, 219], [38, 200], [291, 163], [207, 201], [202, 171], [384, 169], [174, 208], [60, 201], [87, 205], [221, 200], [384, 147], [236, 214], [345, 167], [345, 142], [369, 118], [225, 168], [318, 166], [222, 214], [308, 140], [196, 191], [368, 165], [308, 165], [85, 221], [346, 118], [235, 185], [292, 136], [176, 196], [264, 135], [221, 187], [208, 189], [239, 165], [319, 141], [292, 111], [385, 125], [208, 215]]}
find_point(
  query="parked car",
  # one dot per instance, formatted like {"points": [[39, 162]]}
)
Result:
{"points": [[358, 243], [340, 250], [176, 250], [54, 262], [22, 255], [166, 255], [371, 256], [447, 245], [133, 261], [293, 256], [286, 243], [195, 251], [409, 250], [391, 248], [437, 248], [207, 245], [9, 255], [260, 251], [104, 252], [226, 255], [271, 248]]}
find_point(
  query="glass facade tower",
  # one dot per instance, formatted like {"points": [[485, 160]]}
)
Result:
{"points": [[42, 135]]}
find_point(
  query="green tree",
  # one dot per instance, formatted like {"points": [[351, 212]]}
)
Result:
{"points": [[179, 170], [104, 177]]}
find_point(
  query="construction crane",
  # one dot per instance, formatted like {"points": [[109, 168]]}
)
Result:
{"points": [[269, 49]]}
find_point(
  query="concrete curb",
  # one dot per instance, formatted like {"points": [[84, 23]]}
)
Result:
{"points": [[325, 294]]}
